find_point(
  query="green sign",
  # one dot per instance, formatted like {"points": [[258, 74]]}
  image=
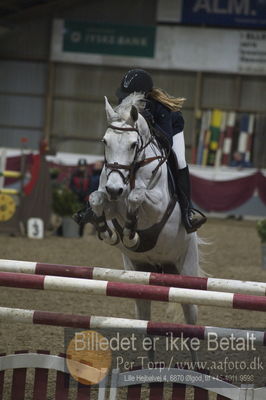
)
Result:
{"points": [[119, 40]]}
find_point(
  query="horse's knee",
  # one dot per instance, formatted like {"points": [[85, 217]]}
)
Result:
{"points": [[135, 199], [97, 202]]}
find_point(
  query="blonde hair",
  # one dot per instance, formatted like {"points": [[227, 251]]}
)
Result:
{"points": [[174, 103]]}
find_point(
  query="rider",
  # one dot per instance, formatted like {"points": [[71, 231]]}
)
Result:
{"points": [[163, 112]]}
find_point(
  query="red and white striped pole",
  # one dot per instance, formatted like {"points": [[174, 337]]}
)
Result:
{"points": [[146, 278], [32, 317], [133, 291]]}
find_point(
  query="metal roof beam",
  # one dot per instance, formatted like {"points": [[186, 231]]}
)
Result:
{"points": [[40, 10]]}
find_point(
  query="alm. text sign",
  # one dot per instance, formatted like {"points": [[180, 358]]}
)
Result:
{"points": [[241, 13]]}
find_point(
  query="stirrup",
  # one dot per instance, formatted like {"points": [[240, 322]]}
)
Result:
{"points": [[192, 225], [84, 216]]}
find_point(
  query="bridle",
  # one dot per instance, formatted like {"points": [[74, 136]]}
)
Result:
{"points": [[135, 165]]}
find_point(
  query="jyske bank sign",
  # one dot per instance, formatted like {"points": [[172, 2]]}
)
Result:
{"points": [[109, 39]]}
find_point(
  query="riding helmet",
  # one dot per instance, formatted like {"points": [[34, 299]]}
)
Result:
{"points": [[135, 80]]}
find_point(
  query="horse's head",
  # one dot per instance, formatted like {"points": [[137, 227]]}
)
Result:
{"points": [[124, 140]]}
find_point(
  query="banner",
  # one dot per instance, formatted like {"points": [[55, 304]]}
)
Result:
{"points": [[234, 13], [176, 48], [252, 51], [97, 38]]}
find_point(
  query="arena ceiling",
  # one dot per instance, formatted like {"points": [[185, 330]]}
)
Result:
{"points": [[14, 12]]}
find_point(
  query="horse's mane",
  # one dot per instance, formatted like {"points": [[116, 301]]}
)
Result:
{"points": [[134, 99]]}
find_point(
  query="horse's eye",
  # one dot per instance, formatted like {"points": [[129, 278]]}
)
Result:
{"points": [[103, 141], [133, 145]]}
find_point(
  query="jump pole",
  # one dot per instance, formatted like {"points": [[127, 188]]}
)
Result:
{"points": [[2, 166], [10, 174], [33, 317], [9, 191], [146, 278], [133, 291]]}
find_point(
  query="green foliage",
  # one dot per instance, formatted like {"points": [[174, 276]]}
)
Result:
{"points": [[65, 202], [261, 229], [54, 172]]}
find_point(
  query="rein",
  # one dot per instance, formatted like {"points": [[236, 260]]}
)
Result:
{"points": [[136, 165]]}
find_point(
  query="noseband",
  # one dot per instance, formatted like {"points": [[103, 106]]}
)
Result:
{"points": [[135, 165]]}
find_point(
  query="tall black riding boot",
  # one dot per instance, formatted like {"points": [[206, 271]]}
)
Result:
{"points": [[192, 218]]}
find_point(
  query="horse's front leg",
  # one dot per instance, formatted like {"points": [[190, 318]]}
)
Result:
{"points": [[149, 201], [135, 200], [191, 315], [99, 203]]}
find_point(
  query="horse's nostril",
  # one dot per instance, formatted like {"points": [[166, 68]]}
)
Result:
{"points": [[114, 192]]}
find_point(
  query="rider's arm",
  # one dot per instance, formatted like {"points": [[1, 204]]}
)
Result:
{"points": [[163, 119], [160, 117], [177, 122]]}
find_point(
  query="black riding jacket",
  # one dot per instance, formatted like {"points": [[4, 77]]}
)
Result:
{"points": [[169, 122]]}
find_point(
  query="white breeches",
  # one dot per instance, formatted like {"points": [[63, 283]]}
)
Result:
{"points": [[179, 149]]}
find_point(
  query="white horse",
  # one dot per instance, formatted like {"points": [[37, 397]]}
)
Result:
{"points": [[136, 211]]}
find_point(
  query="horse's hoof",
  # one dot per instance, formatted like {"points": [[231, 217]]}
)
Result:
{"points": [[112, 240], [129, 243]]}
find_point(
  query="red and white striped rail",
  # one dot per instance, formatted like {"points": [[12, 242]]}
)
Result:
{"points": [[146, 278], [133, 291], [32, 317]]}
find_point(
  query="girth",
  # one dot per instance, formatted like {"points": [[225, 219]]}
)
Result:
{"points": [[148, 237]]}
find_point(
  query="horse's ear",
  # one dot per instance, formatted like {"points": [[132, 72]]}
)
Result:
{"points": [[110, 113], [134, 113]]}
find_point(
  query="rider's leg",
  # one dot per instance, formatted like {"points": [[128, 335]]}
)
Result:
{"points": [[180, 150], [191, 220]]}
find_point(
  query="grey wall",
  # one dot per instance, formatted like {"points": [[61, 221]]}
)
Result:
{"points": [[77, 91], [78, 100], [116, 11], [22, 99], [72, 111]]}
